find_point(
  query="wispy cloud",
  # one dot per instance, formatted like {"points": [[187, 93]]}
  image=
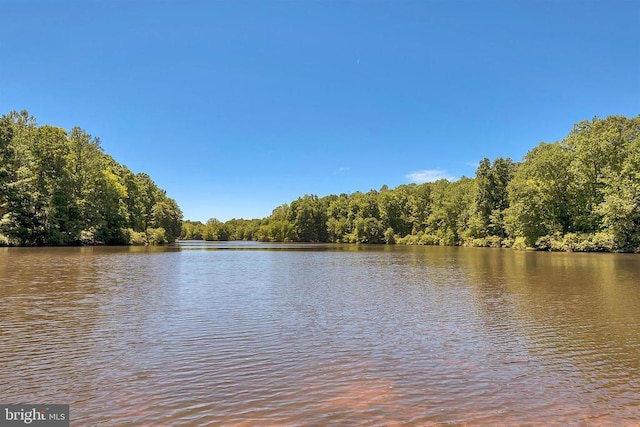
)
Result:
{"points": [[473, 164], [340, 170], [429, 175]]}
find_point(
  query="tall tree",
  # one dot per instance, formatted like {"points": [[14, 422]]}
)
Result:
{"points": [[308, 215], [620, 205], [540, 194], [599, 148], [492, 197]]}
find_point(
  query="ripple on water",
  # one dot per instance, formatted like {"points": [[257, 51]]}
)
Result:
{"points": [[380, 336]]}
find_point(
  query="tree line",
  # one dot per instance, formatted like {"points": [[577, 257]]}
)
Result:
{"points": [[578, 194], [58, 187]]}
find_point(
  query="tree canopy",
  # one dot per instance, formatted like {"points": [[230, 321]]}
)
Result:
{"points": [[578, 194], [58, 187]]}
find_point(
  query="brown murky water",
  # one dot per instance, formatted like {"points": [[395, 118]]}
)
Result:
{"points": [[317, 335]]}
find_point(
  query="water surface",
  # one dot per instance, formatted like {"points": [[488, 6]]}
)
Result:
{"points": [[271, 334]]}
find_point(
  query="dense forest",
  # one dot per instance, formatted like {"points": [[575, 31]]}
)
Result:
{"points": [[60, 188], [579, 194]]}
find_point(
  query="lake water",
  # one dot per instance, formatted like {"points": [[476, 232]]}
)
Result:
{"points": [[244, 334]]}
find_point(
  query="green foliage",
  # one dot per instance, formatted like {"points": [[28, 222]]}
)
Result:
{"points": [[192, 230], [156, 236], [215, 230], [366, 230], [492, 197], [389, 237], [167, 215], [540, 194], [59, 188], [577, 242], [276, 231], [137, 238], [619, 207], [519, 244], [243, 229], [600, 150], [485, 242], [585, 185], [308, 216], [579, 194]]}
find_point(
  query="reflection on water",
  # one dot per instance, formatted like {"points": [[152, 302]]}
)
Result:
{"points": [[294, 334]]}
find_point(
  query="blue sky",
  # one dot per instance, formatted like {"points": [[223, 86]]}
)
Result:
{"points": [[235, 107]]}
